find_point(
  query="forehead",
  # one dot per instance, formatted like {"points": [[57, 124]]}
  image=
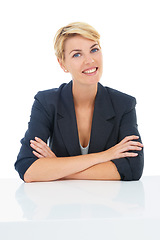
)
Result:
{"points": [[77, 42]]}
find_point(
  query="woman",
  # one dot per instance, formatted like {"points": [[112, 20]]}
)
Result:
{"points": [[92, 130]]}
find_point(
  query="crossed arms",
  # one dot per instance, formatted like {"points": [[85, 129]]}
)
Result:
{"points": [[98, 166]]}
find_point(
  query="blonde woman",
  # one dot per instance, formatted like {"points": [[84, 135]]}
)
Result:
{"points": [[92, 129]]}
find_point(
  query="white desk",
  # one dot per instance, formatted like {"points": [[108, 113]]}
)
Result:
{"points": [[80, 210]]}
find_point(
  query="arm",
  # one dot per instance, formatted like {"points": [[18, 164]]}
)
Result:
{"points": [[86, 166], [101, 171], [48, 169], [130, 169], [40, 125]]}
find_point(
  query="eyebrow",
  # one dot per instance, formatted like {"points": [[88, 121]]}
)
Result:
{"points": [[79, 50]]}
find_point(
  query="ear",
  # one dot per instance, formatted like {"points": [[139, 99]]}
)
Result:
{"points": [[62, 65]]}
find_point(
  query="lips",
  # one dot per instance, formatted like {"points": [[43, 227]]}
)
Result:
{"points": [[90, 70]]}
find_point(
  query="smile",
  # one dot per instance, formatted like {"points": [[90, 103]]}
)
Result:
{"points": [[91, 70]]}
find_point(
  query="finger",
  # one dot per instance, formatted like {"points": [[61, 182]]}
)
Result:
{"points": [[133, 148], [129, 138], [44, 152], [40, 141], [129, 154], [38, 149], [135, 143], [37, 154], [39, 144], [34, 143], [45, 148], [128, 147], [41, 147]]}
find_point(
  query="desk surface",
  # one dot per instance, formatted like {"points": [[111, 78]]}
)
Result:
{"points": [[80, 209]]}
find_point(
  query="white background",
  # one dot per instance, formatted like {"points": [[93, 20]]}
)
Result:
{"points": [[130, 40]]}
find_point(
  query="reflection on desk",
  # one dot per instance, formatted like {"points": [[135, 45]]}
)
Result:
{"points": [[80, 210], [80, 199]]}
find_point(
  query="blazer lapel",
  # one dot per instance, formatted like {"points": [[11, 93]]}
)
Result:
{"points": [[103, 121], [67, 121]]}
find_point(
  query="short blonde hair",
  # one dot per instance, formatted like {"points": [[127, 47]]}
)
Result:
{"points": [[73, 29]]}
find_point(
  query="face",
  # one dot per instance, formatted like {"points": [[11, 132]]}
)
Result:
{"points": [[83, 59]]}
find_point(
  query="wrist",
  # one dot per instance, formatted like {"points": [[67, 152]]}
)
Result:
{"points": [[108, 155], [104, 156]]}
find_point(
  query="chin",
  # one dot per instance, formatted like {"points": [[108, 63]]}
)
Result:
{"points": [[87, 80], [92, 80]]}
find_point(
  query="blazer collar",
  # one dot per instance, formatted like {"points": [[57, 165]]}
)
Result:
{"points": [[101, 124]]}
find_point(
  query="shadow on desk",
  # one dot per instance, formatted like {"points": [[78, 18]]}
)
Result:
{"points": [[76, 199]]}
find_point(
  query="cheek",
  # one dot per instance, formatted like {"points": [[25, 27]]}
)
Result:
{"points": [[100, 58], [75, 67], [100, 62]]}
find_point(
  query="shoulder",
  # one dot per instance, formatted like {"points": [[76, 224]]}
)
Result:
{"points": [[47, 101], [120, 100], [120, 96], [50, 95]]}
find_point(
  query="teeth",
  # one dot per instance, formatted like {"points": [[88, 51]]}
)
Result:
{"points": [[90, 71]]}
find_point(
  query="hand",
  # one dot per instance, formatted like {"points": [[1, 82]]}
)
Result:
{"points": [[122, 149], [41, 149]]}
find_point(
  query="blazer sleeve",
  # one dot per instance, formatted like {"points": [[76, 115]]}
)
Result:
{"points": [[130, 168], [38, 126]]}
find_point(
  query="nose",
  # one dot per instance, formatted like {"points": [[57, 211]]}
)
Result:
{"points": [[88, 60]]}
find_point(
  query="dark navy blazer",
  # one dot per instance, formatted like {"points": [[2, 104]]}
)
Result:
{"points": [[53, 118]]}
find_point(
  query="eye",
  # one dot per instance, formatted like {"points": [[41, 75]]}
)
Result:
{"points": [[95, 50], [76, 55]]}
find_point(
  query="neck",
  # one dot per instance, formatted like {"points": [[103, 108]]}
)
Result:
{"points": [[84, 96]]}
